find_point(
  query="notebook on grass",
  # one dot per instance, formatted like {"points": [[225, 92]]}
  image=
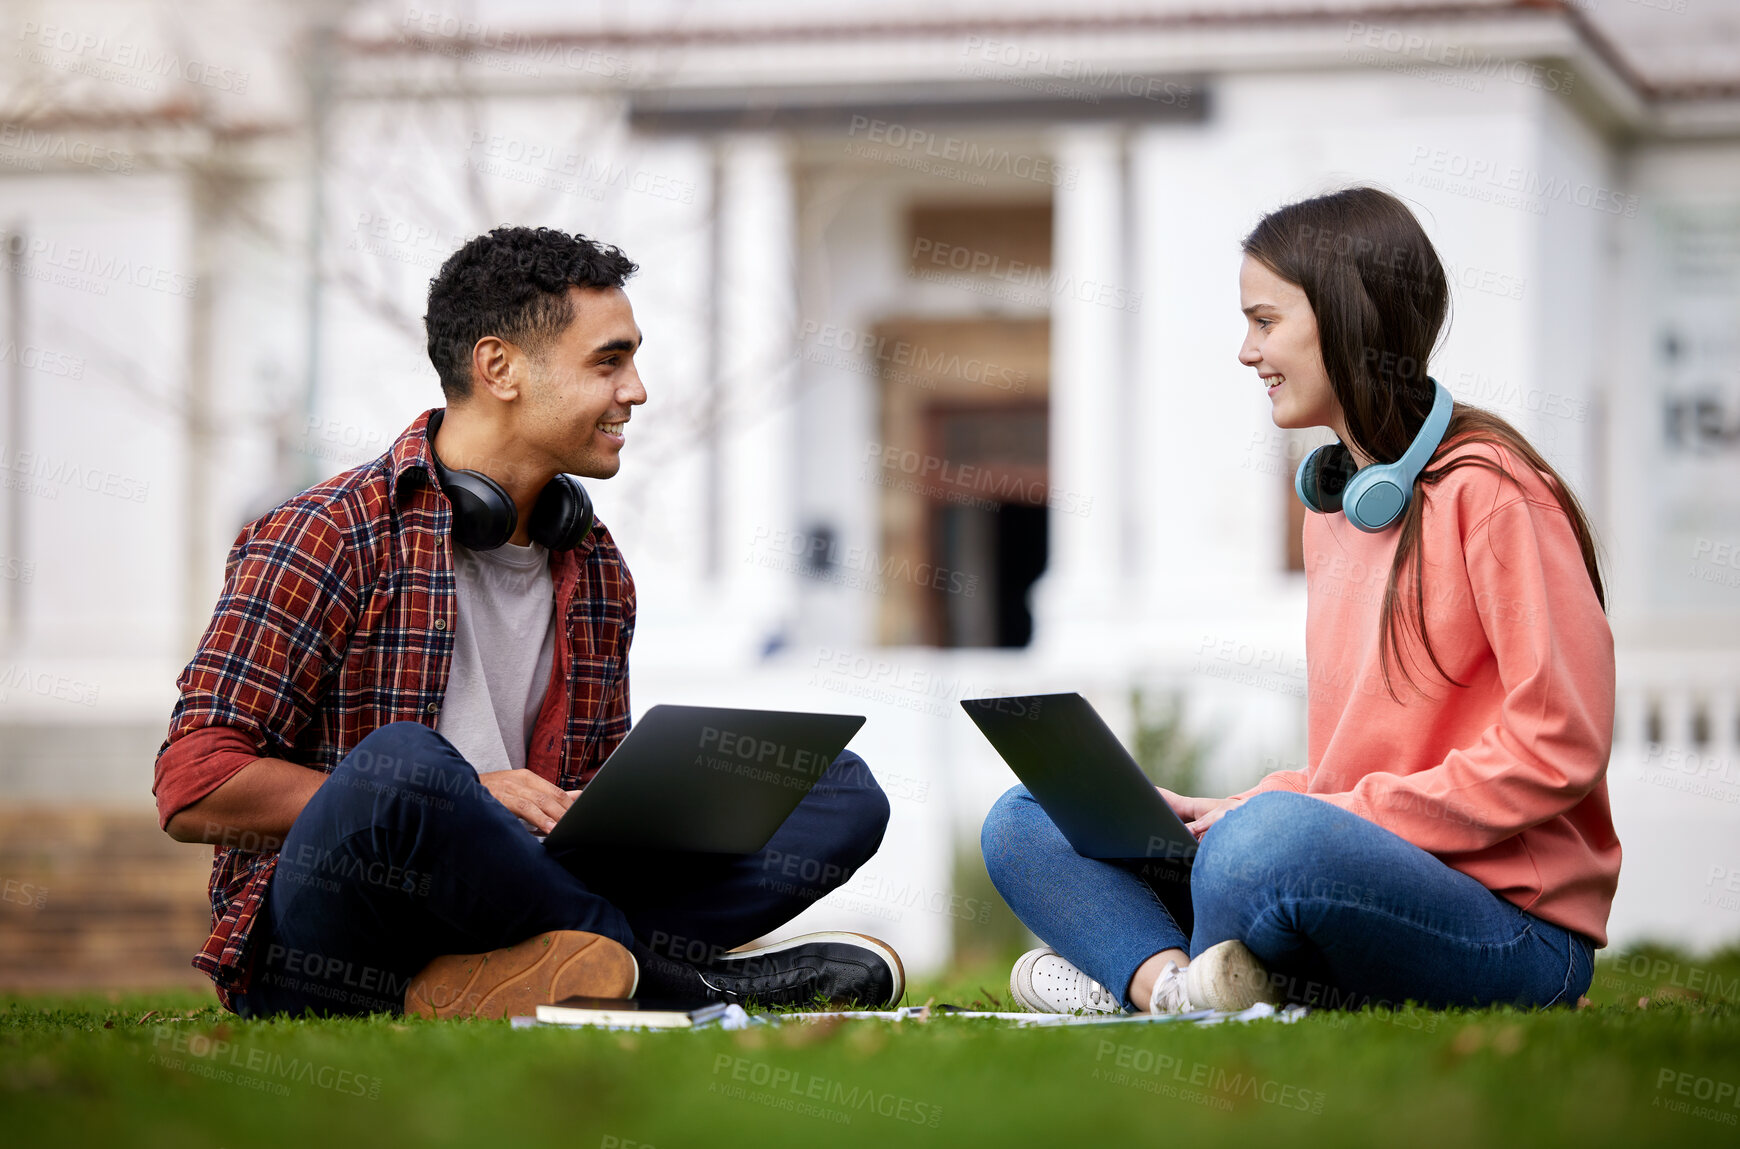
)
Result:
{"points": [[646, 1013]]}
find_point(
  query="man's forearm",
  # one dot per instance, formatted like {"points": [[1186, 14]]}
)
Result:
{"points": [[253, 809]]}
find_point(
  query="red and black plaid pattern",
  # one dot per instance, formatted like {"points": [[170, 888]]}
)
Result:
{"points": [[336, 618]]}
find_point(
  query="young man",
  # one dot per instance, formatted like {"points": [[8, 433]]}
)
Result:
{"points": [[416, 665]]}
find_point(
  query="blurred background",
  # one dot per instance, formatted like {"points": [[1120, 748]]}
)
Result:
{"points": [[941, 319]]}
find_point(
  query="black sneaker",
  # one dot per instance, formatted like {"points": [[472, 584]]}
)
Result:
{"points": [[842, 968]]}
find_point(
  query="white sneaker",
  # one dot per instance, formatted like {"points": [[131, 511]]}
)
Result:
{"points": [[1170, 994], [1043, 982], [1226, 977]]}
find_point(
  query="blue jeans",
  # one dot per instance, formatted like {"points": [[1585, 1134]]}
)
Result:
{"points": [[403, 855], [1341, 911]]}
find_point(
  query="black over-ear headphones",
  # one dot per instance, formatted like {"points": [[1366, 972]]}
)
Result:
{"points": [[484, 517]]}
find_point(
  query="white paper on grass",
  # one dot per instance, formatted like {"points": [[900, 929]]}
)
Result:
{"points": [[1256, 1012], [735, 1017]]}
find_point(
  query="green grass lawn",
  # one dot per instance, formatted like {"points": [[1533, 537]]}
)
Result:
{"points": [[98, 1071]]}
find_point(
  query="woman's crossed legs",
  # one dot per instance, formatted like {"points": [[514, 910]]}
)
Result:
{"points": [[1342, 912]]}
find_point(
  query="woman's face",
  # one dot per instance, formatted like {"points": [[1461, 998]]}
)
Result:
{"points": [[1281, 343]]}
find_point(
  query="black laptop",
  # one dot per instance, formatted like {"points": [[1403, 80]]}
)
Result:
{"points": [[703, 779], [1081, 775]]}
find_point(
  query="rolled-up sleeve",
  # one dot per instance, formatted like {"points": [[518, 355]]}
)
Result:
{"points": [[282, 623]]}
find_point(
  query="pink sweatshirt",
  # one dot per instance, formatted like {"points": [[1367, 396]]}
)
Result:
{"points": [[1503, 778]]}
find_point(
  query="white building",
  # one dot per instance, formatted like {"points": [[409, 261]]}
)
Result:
{"points": [[937, 298]]}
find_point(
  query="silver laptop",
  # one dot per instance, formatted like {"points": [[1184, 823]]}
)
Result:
{"points": [[1081, 775], [708, 779]]}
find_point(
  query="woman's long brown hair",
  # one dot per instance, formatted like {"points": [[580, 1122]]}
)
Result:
{"points": [[1381, 298]]}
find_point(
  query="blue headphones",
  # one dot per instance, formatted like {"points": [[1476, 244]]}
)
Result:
{"points": [[1373, 498]]}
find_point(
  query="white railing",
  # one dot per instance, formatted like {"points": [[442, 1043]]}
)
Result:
{"points": [[1674, 780]]}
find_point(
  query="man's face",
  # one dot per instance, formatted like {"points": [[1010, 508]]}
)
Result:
{"points": [[583, 386]]}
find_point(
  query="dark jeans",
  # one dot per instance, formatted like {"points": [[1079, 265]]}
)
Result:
{"points": [[402, 856], [1341, 911]]}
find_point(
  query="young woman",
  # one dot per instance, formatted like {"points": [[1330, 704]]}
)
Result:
{"points": [[1449, 840]]}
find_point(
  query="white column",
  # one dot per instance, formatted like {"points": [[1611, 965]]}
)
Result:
{"points": [[756, 285], [1081, 591]]}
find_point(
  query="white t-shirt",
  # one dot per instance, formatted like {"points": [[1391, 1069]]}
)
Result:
{"points": [[503, 644]]}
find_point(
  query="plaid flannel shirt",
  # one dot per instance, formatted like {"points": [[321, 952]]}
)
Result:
{"points": [[336, 618]]}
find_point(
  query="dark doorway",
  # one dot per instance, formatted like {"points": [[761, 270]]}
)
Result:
{"points": [[962, 461], [990, 558]]}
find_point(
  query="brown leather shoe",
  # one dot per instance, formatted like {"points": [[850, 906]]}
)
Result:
{"points": [[515, 981]]}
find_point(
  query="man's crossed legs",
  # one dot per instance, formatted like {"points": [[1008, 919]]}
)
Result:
{"points": [[403, 857]]}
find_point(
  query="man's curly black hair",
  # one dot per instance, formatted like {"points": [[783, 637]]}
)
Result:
{"points": [[513, 284]]}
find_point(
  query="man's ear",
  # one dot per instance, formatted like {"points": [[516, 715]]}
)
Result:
{"points": [[498, 366]]}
